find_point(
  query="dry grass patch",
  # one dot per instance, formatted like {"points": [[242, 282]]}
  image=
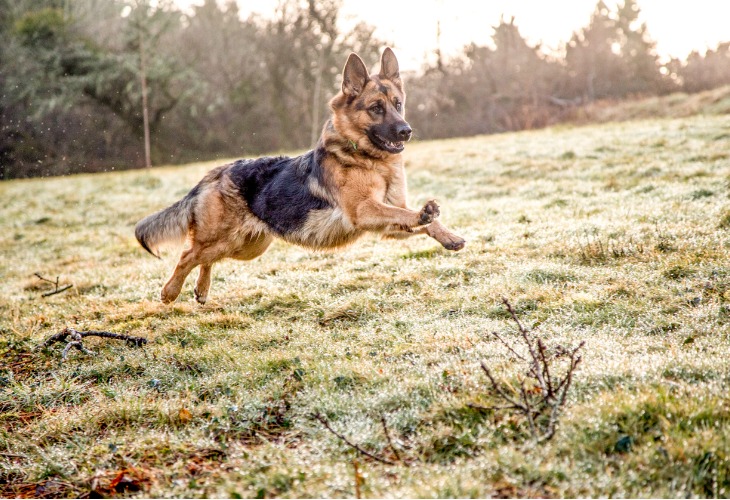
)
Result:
{"points": [[613, 234]]}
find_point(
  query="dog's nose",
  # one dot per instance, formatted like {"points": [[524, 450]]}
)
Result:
{"points": [[404, 132]]}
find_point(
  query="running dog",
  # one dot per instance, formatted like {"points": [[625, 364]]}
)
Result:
{"points": [[353, 182]]}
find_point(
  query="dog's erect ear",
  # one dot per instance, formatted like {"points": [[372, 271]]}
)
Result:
{"points": [[389, 67], [354, 76]]}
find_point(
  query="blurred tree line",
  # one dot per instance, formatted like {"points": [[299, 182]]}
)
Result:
{"points": [[218, 85], [513, 85]]}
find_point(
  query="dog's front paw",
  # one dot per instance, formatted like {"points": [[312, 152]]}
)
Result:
{"points": [[454, 242], [429, 213]]}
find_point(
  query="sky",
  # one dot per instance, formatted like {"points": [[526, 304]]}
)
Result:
{"points": [[411, 26]]}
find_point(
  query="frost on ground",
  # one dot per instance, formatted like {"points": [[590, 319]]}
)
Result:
{"points": [[616, 235]]}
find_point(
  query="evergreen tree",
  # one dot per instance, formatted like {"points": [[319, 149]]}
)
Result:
{"points": [[613, 56]]}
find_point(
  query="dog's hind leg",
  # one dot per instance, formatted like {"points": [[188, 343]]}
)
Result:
{"points": [[188, 261], [248, 249], [203, 284]]}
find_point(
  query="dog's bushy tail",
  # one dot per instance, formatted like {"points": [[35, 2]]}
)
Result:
{"points": [[170, 225]]}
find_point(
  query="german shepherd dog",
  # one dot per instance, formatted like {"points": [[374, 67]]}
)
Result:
{"points": [[351, 183]]}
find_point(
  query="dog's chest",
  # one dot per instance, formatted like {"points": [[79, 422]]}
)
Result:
{"points": [[325, 228]]}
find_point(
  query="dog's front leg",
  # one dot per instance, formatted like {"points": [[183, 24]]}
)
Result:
{"points": [[440, 233], [435, 230], [372, 215]]}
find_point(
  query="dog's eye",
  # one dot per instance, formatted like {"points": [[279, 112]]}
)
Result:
{"points": [[398, 106], [377, 109]]}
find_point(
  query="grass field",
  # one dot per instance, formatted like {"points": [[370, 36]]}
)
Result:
{"points": [[615, 234]]}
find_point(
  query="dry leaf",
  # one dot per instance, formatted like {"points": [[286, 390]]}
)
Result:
{"points": [[185, 415]]}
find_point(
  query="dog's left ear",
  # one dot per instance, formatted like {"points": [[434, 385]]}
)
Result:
{"points": [[389, 67]]}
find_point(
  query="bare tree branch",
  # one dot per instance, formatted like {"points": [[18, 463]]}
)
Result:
{"points": [[498, 389], [78, 345], [475, 406], [509, 347]]}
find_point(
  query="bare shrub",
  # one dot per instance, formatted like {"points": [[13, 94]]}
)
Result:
{"points": [[542, 393]]}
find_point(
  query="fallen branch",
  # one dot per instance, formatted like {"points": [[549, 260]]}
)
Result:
{"points": [[75, 339], [54, 283], [565, 103], [326, 424], [137, 341]]}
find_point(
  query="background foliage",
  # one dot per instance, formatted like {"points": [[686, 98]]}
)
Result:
{"points": [[220, 85]]}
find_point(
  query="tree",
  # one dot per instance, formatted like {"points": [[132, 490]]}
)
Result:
{"points": [[592, 57], [703, 72], [229, 114], [143, 81], [303, 46], [613, 56], [505, 87], [638, 53], [62, 82]]}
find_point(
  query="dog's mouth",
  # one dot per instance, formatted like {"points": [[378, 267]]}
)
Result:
{"points": [[381, 142]]}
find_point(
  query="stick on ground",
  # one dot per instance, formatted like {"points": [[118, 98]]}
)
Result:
{"points": [[326, 424], [61, 336], [76, 339], [387, 436], [54, 283]]}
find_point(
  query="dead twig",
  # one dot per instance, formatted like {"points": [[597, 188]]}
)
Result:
{"points": [[55, 284], [541, 402], [499, 390], [319, 417], [75, 340], [58, 290], [387, 436]]}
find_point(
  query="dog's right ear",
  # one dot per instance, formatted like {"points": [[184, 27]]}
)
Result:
{"points": [[354, 76]]}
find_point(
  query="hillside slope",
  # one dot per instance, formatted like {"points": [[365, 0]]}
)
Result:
{"points": [[676, 105], [615, 234]]}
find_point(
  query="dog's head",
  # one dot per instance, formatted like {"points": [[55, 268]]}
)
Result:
{"points": [[370, 109]]}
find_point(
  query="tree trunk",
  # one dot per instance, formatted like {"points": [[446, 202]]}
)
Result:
{"points": [[145, 108]]}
